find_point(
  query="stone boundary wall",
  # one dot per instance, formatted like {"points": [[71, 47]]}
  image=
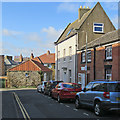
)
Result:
{"points": [[23, 78]]}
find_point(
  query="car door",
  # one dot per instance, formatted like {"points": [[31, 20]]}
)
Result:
{"points": [[85, 96]]}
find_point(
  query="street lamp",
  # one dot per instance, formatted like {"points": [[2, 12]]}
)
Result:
{"points": [[86, 58], [86, 37]]}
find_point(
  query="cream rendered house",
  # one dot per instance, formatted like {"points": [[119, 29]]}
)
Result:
{"points": [[91, 24], [65, 59]]}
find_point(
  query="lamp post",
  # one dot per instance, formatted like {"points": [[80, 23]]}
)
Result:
{"points": [[86, 58]]}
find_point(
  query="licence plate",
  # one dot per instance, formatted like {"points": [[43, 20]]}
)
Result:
{"points": [[118, 98]]}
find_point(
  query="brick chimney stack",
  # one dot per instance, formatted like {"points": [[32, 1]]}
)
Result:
{"points": [[21, 58], [2, 66], [48, 52], [82, 11], [32, 56]]}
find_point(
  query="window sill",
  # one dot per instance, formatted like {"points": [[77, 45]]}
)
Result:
{"points": [[107, 60]]}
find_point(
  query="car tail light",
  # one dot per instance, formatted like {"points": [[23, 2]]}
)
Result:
{"points": [[106, 95]]}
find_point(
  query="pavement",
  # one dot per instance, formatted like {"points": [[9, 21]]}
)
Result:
{"points": [[11, 89]]}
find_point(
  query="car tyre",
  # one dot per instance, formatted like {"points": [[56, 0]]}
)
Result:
{"points": [[49, 93], [58, 99], [77, 103], [98, 109]]}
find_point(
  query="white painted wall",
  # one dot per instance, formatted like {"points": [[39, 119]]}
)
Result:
{"points": [[70, 65]]}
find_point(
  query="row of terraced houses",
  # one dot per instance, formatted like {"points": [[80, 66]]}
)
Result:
{"points": [[87, 50]]}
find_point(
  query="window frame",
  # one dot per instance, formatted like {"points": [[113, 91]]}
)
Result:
{"points": [[70, 53], [89, 60], [97, 26], [83, 57], [70, 75], [64, 54], [108, 52], [108, 74]]}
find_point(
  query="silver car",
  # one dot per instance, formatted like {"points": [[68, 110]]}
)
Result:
{"points": [[101, 95], [41, 87]]}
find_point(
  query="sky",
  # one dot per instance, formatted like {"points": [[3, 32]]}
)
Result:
{"points": [[35, 26]]}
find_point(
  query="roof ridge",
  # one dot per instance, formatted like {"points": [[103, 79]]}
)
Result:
{"points": [[18, 64], [35, 63]]}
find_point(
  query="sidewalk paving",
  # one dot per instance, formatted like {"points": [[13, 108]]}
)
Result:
{"points": [[8, 89]]}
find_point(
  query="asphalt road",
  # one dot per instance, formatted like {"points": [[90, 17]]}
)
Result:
{"points": [[29, 104]]}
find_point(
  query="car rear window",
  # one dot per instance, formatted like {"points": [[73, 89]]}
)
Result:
{"points": [[71, 86], [114, 87]]}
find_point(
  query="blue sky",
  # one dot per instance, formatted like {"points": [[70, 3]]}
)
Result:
{"points": [[35, 26]]}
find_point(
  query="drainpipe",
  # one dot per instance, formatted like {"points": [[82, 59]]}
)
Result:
{"points": [[57, 63], [76, 60], [94, 67]]}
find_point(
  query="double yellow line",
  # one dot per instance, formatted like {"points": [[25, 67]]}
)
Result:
{"points": [[23, 110]]}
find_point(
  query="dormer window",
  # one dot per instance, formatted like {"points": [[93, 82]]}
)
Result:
{"points": [[69, 32], [98, 27]]}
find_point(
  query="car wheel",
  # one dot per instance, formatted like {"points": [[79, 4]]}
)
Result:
{"points": [[58, 99], [98, 109], [49, 93], [77, 103], [37, 90]]}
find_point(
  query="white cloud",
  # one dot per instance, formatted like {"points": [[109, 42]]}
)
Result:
{"points": [[52, 33], [32, 37], [7, 32], [68, 7]]}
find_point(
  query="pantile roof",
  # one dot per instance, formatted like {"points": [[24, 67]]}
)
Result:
{"points": [[30, 65], [46, 58]]}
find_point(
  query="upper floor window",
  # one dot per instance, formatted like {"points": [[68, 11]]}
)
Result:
{"points": [[49, 66], [70, 53], [108, 51], [69, 31], [98, 27], [83, 57], [45, 64], [89, 56], [64, 54]]}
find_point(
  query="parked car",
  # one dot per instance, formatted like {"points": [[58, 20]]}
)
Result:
{"points": [[101, 95], [49, 86], [41, 87], [65, 91]]}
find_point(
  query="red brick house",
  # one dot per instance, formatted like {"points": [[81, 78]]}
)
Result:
{"points": [[48, 60], [29, 73], [103, 58]]}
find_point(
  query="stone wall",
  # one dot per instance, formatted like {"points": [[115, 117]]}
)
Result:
{"points": [[23, 78]]}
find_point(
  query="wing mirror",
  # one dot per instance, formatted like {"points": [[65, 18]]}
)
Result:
{"points": [[84, 89]]}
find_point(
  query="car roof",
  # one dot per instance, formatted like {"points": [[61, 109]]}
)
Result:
{"points": [[105, 81]]}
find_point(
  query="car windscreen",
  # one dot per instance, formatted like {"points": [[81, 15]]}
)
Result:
{"points": [[114, 87], [74, 86]]}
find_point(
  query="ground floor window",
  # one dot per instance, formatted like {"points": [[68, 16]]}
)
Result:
{"points": [[70, 76], [58, 74], [108, 74]]}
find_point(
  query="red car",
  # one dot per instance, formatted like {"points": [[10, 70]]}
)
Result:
{"points": [[65, 91]]}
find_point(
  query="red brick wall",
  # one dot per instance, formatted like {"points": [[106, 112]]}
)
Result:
{"points": [[100, 62]]}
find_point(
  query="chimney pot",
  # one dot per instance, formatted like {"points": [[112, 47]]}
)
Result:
{"points": [[48, 52]]}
